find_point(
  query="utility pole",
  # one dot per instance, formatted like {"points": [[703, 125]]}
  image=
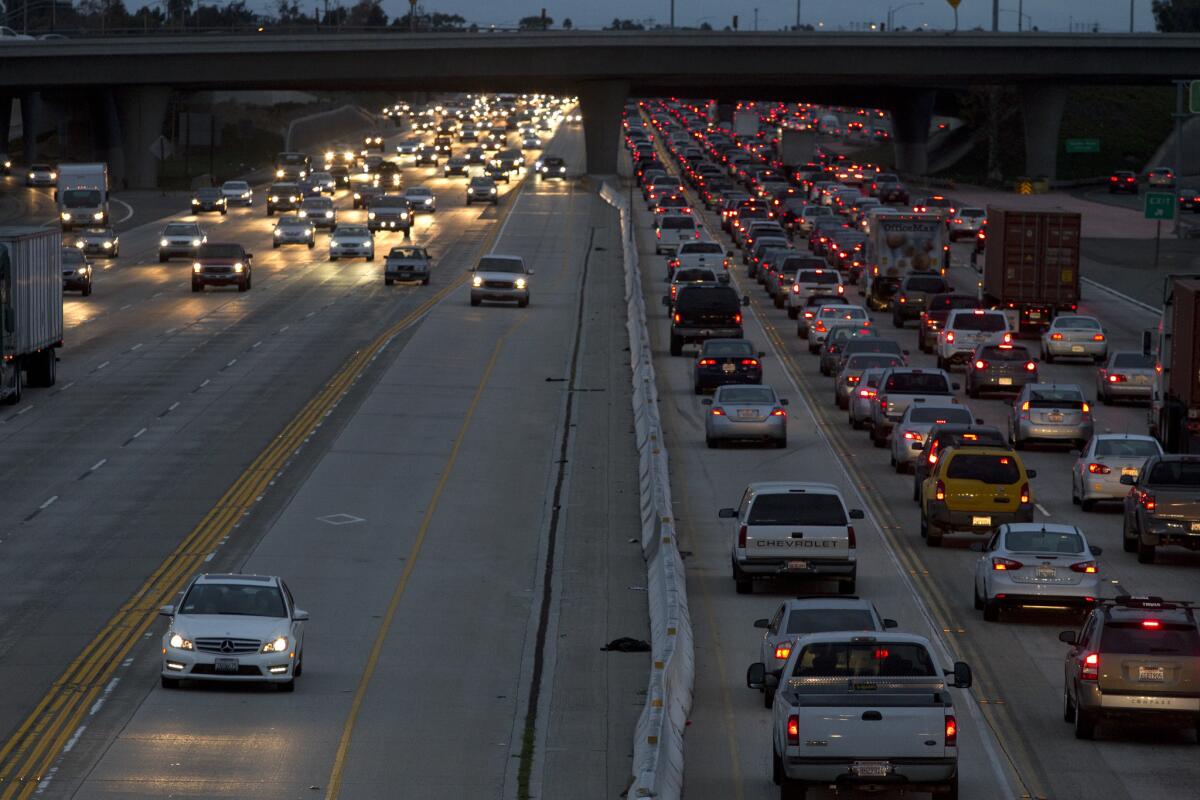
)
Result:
{"points": [[412, 16], [995, 15], [1181, 88], [798, 14], [756, 19], [1131, 16], [672, 14]]}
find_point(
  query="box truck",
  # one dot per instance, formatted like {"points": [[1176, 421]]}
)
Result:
{"points": [[31, 308]]}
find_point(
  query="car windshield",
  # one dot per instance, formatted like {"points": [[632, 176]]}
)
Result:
{"points": [[797, 508], [76, 198], [497, 264], [841, 312], [1133, 361], [872, 345], [406, 252], [737, 348], [1044, 541], [917, 382], [316, 204], [1076, 323], [821, 620], [292, 222], [72, 257], [694, 275], [925, 283], [235, 186], [677, 223], [1007, 352], [972, 212], [1175, 473], [988, 323], [864, 660], [482, 183], [180, 230], [941, 415], [1133, 638], [1055, 398], [220, 251], [996, 470], [291, 160], [418, 192], [745, 395], [1127, 447], [234, 598], [346, 230]]}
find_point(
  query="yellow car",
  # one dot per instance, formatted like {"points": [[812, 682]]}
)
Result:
{"points": [[973, 490]]}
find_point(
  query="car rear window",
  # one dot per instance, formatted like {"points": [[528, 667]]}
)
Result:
{"points": [[821, 277], [737, 348], [925, 283], [748, 395], [868, 345], [1175, 473], [1133, 361], [917, 382], [996, 470], [708, 298], [797, 508], [1076, 323], [220, 251], [941, 415], [980, 322], [677, 223], [1055, 398], [1127, 447], [1004, 353], [974, 439], [945, 302], [1134, 639], [1044, 541], [864, 660], [821, 620]]}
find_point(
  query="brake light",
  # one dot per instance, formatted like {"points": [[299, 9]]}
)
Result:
{"points": [[853, 542], [1098, 469], [742, 537], [779, 412], [1090, 668], [796, 290], [1025, 406], [903, 298], [749, 362], [939, 491], [1025, 493], [708, 362], [737, 318], [1148, 502], [1005, 564], [949, 337], [1117, 379], [951, 731], [912, 436], [793, 729], [658, 233], [1086, 567], [820, 326], [782, 651], [678, 318], [841, 289], [1152, 624], [981, 364], [852, 379], [1086, 409], [866, 393], [1056, 337], [697, 233], [1030, 366]]}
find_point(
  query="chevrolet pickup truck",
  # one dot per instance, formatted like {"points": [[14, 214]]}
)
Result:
{"points": [[787, 530], [863, 710], [902, 387]]}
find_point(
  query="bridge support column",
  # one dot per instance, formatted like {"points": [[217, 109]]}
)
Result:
{"points": [[601, 103], [141, 110], [31, 107], [6, 104], [1042, 110], [108, 135], [910, 132]]}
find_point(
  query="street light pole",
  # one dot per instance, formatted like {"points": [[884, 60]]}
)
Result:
{"points": [[1131, 16], [672, 14], [798, 14]]}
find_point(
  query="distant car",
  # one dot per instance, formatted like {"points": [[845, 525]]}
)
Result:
{"points": [[966, 223], [1123, 181], [482, 190], [914, 293], [1163, 508], [408, 147], [98, 242], [292, 229], [1127, 375], [1107, 457], [726, 361], [283, 197], [5, 164], [373, 142], [745, 413], [830, 316], [908, 436], [76, 271], [999, 368], [41, 175], [551, 167], [496, 173], [849, 377], [531, 143], [222, 265], [340, 174], [1189, 199], [365, 193], [455, 165], [941, 438], [407, 263], [1075, 336], [237, 193], [1161, 178], [475, 155], [319, 211], [235, 628], [209, 200], [323, 182], [351, 241], [390, 212], [500, 278], [1037, 564], [421, 199], [426, 155], [180, 239], [1053, 413]]}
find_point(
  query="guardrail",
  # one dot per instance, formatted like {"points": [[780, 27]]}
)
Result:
{"points": [[658, 742]]}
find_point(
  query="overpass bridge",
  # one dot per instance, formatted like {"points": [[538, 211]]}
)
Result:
{"points": [[132, 77]]}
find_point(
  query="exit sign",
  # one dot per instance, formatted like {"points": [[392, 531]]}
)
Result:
{"points": [[1083, 145], [1160, 205], [1194, 97]]}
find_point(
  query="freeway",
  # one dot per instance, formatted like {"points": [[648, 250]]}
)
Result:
{"points": [[1019, 744], [373, 429]]}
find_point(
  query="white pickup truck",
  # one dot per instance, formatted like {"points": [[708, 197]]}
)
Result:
{"points": [[863, 710], [901, 387], [793, 530], [701, 253]]}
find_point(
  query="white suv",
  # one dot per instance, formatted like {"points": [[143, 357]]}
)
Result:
{"points": [[966, 329]]}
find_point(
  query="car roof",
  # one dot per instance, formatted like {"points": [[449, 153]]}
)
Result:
{"points": [[248, 580], [878, 636], [1040, 527], [827, 602], [778, 487]]}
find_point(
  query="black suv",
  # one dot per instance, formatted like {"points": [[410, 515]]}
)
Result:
{"points": [[1136, 659], [705, 312], [915, 291]]}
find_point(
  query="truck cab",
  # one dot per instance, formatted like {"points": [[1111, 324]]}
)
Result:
{"points": [[82, 195]]}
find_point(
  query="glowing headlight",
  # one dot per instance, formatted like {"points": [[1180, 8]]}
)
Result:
{"points": [[404, 215], [66, 215], [163, 243], [277, 231], [328, 215], [278, 173], [108, 245], [195, 242], [80, 244], [329, 156], [519, 283], [53, 176], [279, 645], [492, 190], [245, 195], [273, 198], [303, 174], [179, 643], [562, 169], [303, 214], [293, 199], [370, 215], [428, 201], [81, 271], [357, 196], [196, 267], [238, 267], [477, 281]]}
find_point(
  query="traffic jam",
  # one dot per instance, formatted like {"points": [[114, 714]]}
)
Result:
{"points": [[969, 382]]}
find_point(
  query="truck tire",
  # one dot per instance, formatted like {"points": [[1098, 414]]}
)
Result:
{"points": [[87, 290], [1129, 539], [388, 281], [333, 258], [1145, 552], [950, 792], [792, 790], [991, 611], [1085, 724], [776, 768], [768, 698], [14, 394], [243, 286], [742, 583], [162, 259], [676, 346]]}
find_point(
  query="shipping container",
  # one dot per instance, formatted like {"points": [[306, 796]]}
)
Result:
{"points": [[1175, 403], [31, 308], [1031, 267]]}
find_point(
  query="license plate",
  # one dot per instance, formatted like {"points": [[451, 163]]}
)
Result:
{"points": [[747, 413], [797, 565], [1076, 348], [1055, 417], [1005, 381], [1196, 527], [1129, 471], [1046, 572], [981, 521], [1035, 315], [871, 769], [226, 665], [1150, 674], [728, 368]]}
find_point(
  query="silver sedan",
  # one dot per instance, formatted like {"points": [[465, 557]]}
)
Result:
{"points": [[1127, 375], [1097, 473], [1036, 565], [863, 397], [1075, 336], [908, 436], [740, 412], [1052, 413]]}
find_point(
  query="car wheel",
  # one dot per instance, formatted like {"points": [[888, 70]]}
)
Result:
{"points": [[697, 389], [389, 282], [978, 600], [941, 363], [933, 535], [312, 244], [162, 259], [288, 686], [742, 582], [1128, 539], [1145, 552], [87, 290], [197, 286], [776, 767], [333, 257], [274, 245], [676, 346], [1068, 707], [1085, 724], [855, 423], [793, 313], [1074, 493], [1087, 505], [426, 283], [841, 402], [768, 698], [475, 301], [1047, 356], [916, 493], [802, 331], [243, 286], [299, 670], [169, 683], [971, 390], [712, 443], [779, 301], [792, 790], [991, 611]]}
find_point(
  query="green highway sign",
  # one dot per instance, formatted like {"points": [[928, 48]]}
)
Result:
{"points": [[1160, 205], [1083, 145], [1194, 97]]}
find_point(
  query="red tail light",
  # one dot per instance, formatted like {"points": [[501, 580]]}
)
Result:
{"points": [[981, 364], [883, 401], [742, 537], [1025, 493], [1099, 337], [796, 290], [853, 379], [793, 729], [1005, 564], [951, 731], [1117, 379], [1098, 469], [718, 412], [1086, 409], [1151, 624], [820, 326], [1148, 502], [708, 362], [779, 412], [749, 362], [853, 542], [1056, 337], [737, 318], [782, 651], [841, 289], [1086, 567], [903, 298], [1030, 366], [912, 436], [1090, 668], [678, 318], [949, 337], [867, 393], [939, 491]]}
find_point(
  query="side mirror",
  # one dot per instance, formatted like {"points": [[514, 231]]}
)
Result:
{"points": [[706, 401], [962, 675], [727, 513], [746, 300], [903, 352], [756, 675], [955, 386], [666, 300], [1031, 473], [1129, 480], [249, 256], [762, 354], [783, 401], [1068, 637], [762, 623], [890, 623], [1096, 549], [979, 421], [917, 446], [857, 513], [300, 615], [166, 611]]}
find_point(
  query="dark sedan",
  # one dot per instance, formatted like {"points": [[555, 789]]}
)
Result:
{"points": [[725, 361], [209, 200]]}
